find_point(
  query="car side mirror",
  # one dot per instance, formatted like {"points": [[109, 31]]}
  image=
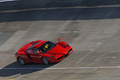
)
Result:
{"points": [[59, 39]]}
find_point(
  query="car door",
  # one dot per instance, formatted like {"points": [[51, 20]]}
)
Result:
{"points": [[34, 55]]}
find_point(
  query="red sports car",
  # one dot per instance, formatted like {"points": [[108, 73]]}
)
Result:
{"points": [[46, 52]]}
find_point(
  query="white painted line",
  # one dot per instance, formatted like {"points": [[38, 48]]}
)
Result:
{"points": [[13, 40], [92, 50], [7, 0], [69, 32], [99, 43], [114, 57], [66, 32], [60, 68], [103, 6]]}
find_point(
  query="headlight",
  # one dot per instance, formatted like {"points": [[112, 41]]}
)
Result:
{"points": [[52, 56]]}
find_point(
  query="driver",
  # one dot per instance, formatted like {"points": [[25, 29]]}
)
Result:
{"points": [[45, 47]]}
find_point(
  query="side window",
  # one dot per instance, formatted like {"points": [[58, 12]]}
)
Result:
{"points": [[35, 50]]}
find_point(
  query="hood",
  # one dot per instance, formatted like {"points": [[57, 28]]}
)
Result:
{"points": [[57, 50]]}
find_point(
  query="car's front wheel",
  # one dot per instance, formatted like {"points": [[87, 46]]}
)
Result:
{"points": [[45, 61], [21, 61]]}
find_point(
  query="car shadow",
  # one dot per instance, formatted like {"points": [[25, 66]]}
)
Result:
{"points": [[39, 10], [15, 68]]}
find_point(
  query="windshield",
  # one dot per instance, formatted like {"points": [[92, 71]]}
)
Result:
{"points": [[47, 46]]}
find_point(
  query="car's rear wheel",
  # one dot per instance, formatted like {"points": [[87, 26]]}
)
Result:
{"points": [[21, 61], [45, 61]]}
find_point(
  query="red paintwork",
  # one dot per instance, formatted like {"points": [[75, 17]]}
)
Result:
{"points": [[60, 50]]}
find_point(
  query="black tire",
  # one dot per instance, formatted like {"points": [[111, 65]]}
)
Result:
{"points": [[45, 61], [21, 61]]}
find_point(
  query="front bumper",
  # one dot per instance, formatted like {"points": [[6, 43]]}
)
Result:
{"points": [[61, 57], [64, 56]]}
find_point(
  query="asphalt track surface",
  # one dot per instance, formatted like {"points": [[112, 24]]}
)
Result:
{"points": [[91, 27]]}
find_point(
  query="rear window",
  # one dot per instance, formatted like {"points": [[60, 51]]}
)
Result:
{"points": [[32, 46]]}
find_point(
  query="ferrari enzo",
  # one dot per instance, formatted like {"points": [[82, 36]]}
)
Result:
{"points": [[41, 51]]}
